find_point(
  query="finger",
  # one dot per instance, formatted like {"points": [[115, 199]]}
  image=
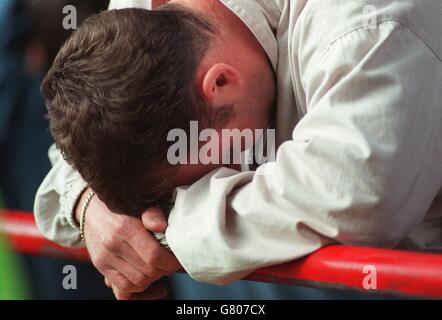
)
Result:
{"points": [[154, 219], [167, 261], [108, 283], [137, 280], [119, 281], [125, 251], [121, 247], [153, 255], [121, 295], [156, 292], [128, 254]]}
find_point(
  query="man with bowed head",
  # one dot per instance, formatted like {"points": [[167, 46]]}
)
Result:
{"points": [[356, 107]]}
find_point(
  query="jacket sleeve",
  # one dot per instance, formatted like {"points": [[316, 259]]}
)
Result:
{"points": [[55, 202], [362, 168]]}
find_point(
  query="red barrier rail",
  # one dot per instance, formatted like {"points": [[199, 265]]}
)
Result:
{"points": [[396, 272]]}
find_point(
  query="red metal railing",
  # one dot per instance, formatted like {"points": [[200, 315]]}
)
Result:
{"points": [[395, 272]]}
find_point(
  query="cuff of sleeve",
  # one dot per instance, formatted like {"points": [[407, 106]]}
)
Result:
{"points": [[70, 199]]}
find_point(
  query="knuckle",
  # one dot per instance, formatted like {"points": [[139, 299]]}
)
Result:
{"points": [[148, 271], [154, 252], [153, 257], [123, 284], [142, 282], [152, 261], [153, 273], [99, 261], [110, 243], [120, 229]]}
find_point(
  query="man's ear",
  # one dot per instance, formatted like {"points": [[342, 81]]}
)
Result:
{"points": [[221, 85]]}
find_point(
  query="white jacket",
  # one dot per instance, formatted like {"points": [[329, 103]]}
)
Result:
{"points": [[359, 128]]}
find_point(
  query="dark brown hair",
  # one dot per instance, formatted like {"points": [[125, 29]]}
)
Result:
{"points": [[117, 87]]}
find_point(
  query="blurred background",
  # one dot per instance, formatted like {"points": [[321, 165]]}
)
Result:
{"points": [[31, 33]]}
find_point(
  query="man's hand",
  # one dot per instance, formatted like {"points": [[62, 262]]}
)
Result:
{"points": [[128, 255]]}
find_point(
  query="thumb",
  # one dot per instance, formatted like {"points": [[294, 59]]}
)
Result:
{"points": [[154, 220]]}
